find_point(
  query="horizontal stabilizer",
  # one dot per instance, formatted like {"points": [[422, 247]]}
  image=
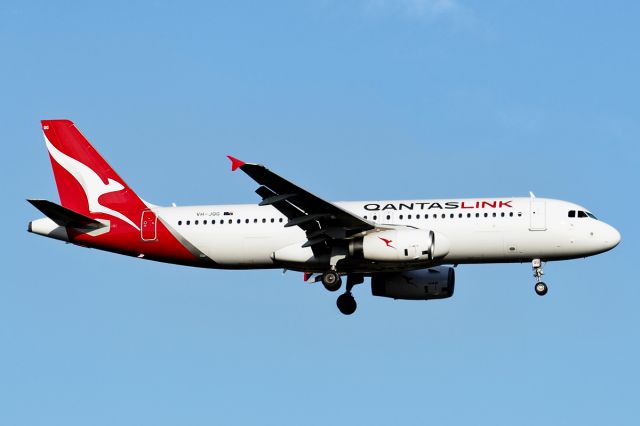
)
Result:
{"points": [[62, 216]]}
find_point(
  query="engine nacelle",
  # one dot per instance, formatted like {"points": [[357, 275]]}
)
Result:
{"points": [[296, 254], [400, 245], [423, 284]]}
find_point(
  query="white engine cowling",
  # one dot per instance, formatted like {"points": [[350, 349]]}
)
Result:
{"points": [[423, 284], [400, 245]]}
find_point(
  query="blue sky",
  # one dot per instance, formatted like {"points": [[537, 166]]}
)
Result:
{"points": [[353, 100]]}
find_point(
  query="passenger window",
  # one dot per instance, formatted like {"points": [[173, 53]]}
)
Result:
{"points": [[519, 214], [408, 216], [494, 214], [477, 214], [510, 214], [451, 215], [459, 215], [230, 221], [400, 217], [426, 216], [179, 222], [572, 213], [264, 220], [213, 222], [417, 216], [246, 221], [444, 215], [280, 220], [375, 217], [272, 220], [468, 215], [365, 216], [255, 220], [581, 214], [502, 214], [204, 222], [188, 222], [196, 222], [486, 214]]}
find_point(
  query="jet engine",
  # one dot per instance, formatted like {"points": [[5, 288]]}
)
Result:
{"points": [[422, 284], [395, 245]]}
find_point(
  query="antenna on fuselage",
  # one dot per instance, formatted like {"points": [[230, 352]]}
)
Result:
{"points": [[532, 195]]}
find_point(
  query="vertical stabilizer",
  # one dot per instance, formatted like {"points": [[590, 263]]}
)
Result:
{"points": [[86, 182]]}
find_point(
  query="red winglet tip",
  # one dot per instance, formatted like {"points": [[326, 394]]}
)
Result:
{"points": [[307, 275], [235, 163]]}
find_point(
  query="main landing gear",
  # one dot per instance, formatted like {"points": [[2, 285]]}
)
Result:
{"points": [[541, 288], [346, 302], [331, 280]]}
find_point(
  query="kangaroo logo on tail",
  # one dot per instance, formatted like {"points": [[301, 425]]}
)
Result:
{"points": [[91, 183]]}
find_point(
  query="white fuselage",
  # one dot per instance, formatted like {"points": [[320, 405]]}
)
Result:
{"points": [[478, 230]]}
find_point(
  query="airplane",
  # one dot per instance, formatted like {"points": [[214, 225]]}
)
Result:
{"points": [[408, 248]]}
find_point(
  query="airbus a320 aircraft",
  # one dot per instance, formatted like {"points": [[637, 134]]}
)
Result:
{"points": [[408, 248]]}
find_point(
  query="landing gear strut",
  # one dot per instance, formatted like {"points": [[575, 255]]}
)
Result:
{"points": [[541, 288], [346, 302]]}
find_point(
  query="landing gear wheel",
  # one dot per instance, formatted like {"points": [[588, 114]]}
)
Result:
{"points": [[331, 280], [346, 304], [541, 289]]}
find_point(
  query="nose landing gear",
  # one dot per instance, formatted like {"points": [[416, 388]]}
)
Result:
{"points": [[540, 287]]}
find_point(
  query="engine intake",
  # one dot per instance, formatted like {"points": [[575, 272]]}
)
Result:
{"points": [[422, 284]]}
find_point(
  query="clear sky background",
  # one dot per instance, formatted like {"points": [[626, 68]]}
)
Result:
{"points": [[360, 99]]}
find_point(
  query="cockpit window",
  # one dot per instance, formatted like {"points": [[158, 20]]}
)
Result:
{"points": [[581, 213]]}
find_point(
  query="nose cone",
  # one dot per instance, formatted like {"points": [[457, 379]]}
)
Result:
{"points": [[611, 237]]}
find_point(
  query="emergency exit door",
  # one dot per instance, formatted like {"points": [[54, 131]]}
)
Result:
{"points": [[148, 225]]}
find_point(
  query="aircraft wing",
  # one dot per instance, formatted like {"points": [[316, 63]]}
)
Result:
{"points": [[321, 220]]}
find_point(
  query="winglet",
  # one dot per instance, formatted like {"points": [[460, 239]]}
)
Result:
{"points": [[235, 163]]}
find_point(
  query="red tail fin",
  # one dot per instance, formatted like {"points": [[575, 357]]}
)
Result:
{"points": [[86, 182]]}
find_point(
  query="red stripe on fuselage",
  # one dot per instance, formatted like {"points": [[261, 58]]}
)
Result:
{"points": [[122, 239]]}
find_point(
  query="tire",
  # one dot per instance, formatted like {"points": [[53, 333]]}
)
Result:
{"points": [[346, 304], [331, 279], [334, 287], [541, 289]]}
